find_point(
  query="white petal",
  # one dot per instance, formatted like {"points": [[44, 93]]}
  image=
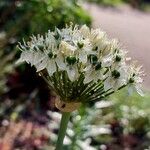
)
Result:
{"points": [[60, 63], [107, 84], [139, 90], [71, 73], [83, 57], [51, 67], [107, 61], [66, 48], [99, 75], [37, 57], [41, 65], [116, 84], [30, 58], [25, 56], [85, 30], [88, 68], [19, 61], [130, 90], [88, 77]]}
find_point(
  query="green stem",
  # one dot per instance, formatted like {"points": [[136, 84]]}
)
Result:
{"points": [[62, 131]]}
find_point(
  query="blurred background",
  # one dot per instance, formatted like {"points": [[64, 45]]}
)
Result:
{"points": [[28, 117]]}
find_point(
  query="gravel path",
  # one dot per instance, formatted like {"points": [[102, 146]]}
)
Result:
{"points": [[131, 27]]}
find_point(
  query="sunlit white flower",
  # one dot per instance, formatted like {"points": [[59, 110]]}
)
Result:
{"points": [[92, 75], [84, 63], [85, 31], [84, 48], [108, 47], [116, 78], [72, 72], [25, 56], [66, 48], [135, 79], [97, 36]]}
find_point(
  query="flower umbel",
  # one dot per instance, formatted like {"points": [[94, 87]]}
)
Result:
{"points": [[80, 64]]}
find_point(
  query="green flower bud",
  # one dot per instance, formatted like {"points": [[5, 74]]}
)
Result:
{"points": [[93, 59], [115, 74], [95, 48], [98, 66], [50, 55], [71, 60], [118, 58], [80, 45], [131, 80]]}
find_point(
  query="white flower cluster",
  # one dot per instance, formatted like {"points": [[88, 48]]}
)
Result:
{"points": [[82, 51]]}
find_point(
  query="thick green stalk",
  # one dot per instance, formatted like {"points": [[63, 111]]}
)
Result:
{"points": [[62, 130]]}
